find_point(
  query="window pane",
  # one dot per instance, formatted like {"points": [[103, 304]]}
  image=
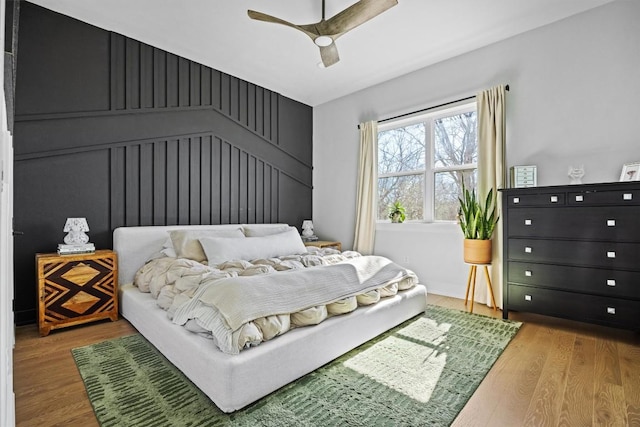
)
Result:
{"points": [[408, 190], [448, 187], [456, 140], [401, 149]]}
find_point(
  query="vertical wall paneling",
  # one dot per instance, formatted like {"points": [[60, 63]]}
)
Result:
{"points": [[273, 109], [242, 103], [147, 77], [159, 78], [159, 167], [266, 112], [117, 191], [118, 72], [132, 185], [196, 84], [184, 75], [242, 188], [216, 181], [216, 89], [259, 111], [205, 85], [266, 189], [225, 94], [146, 184], [259, 192], [234, 184], [275, 194], [251, 107], [195, 179], [205, 180], [172, 80], [184, 194], [172, 182], [159, 140], [234, 88], [132, 82]]}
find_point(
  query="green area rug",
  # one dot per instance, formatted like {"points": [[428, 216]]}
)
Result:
{"points": [[420, 373]]}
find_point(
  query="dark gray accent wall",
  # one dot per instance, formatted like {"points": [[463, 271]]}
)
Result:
{"points": [[126, 134]]}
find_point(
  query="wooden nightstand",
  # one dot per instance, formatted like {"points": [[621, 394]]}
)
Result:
{"points": [[325, 244], [75, 289]]}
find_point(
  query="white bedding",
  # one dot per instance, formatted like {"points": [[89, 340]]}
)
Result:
{"points": [[233, 381], [241, 303]]}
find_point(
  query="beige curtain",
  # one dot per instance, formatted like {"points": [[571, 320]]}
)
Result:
{"points": [[492, 174], [367, 184]]}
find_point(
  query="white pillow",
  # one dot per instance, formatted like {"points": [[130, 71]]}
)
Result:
{"points": [[166, 251], [221, 249], [187, 245], [167, 248], [264, 229]]}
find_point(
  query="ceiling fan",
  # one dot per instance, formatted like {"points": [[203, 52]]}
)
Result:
{"points": [[325, 32]]}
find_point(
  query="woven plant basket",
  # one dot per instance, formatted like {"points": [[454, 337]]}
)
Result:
{"points": [[477, 251]]}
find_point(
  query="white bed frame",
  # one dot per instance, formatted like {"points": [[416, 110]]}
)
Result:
{"points": [[234, 381]]}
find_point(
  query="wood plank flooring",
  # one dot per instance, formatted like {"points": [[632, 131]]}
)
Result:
{"points": [[554, 373]]}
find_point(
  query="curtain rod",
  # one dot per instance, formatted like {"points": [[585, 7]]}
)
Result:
{"points": [[429, 108]]}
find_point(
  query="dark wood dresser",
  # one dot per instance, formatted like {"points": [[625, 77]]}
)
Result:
{"points": [[574, 252]]}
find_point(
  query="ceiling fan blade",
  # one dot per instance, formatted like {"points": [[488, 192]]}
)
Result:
{"points": [[329, 55], [354, 15], [259, 16]]}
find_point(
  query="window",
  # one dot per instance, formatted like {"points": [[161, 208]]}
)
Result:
{"points": [[423, 161]]}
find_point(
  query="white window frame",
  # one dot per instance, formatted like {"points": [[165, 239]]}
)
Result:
{"points": [[430, 170]]}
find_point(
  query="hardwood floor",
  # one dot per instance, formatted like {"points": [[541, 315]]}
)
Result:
{"points": [[554, 373]]}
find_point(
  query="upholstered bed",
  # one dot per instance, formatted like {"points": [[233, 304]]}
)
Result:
{"points": [[233, 381]]}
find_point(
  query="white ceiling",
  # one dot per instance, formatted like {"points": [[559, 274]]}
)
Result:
{"points": [[407, 37]]}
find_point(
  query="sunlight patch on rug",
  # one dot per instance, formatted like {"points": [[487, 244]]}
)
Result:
{"points": [[416, 377], [423, 358]]}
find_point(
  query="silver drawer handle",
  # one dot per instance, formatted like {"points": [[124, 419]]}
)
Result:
{"points": [[579, 198], [554, 199], [516, 200], [527, 273], [527, 298], [527, 222], [611, 254], [611, 310], [611, 282], [627, 196], [611, 223], [527, 249]]}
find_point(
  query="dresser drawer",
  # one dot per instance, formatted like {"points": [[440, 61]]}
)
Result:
{"points": [[611, 283], [610, 255], [587, 308], [593, 223], [617, 197], [539, 199]]}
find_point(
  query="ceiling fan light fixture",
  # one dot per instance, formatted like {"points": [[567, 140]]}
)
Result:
{"points": [[323, 41]]}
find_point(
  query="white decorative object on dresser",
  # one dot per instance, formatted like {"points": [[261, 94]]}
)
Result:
{"points": [[524, 176]]}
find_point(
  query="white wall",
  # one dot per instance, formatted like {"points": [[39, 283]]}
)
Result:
{"points": [[574, 100]]}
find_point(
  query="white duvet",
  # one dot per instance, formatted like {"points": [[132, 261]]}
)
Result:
{"points": [[241, 304]]}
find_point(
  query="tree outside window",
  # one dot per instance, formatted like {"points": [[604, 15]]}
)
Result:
{"points": [[423, 161]]}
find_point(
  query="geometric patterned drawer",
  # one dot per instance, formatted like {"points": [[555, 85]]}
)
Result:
{"points": [[75, 289]]}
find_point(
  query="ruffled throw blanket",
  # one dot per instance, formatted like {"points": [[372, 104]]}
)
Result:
{"points": [[241, 304]]}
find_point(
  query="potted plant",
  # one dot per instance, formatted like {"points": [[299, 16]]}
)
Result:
{"points": [[397, 213], [477, 221]]}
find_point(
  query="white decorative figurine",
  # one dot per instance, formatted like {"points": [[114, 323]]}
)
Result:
{"points": [[76, 228], [307, 228], [576, 174]]}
